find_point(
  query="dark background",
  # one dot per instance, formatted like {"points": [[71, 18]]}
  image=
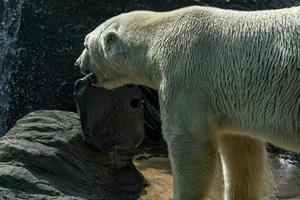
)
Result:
{"points": [[41, 39]]}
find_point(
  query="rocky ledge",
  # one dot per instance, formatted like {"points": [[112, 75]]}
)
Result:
{"points": [[44, 157]]}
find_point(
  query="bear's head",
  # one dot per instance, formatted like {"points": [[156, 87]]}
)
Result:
{"points": [[116, 52]]}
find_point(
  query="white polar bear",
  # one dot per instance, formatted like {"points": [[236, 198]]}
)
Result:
{"points": [[228, 82]]}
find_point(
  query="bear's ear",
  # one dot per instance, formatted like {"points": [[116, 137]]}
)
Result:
{"points": [[111, 46]]}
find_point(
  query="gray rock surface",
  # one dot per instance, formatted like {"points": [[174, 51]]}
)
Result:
{"points": [[44, 157]]}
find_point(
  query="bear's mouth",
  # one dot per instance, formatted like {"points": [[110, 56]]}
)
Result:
{"points": [[91, 78]]}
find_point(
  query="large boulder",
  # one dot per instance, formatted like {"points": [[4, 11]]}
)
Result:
{"points": [[44, 157]]}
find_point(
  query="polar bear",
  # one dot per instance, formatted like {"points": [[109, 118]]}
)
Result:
{"points": [[228, 83]]}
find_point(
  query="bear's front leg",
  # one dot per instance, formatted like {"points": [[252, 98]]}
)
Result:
{"points": [[192, 144], [193, 165]]}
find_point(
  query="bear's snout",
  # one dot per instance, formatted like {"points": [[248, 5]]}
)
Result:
{"points": [[83, 62], [78, 62], [83, 70]]}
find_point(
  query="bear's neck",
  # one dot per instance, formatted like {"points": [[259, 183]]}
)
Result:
{"points": [[150, 77]]}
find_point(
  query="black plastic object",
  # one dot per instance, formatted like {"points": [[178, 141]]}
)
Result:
{"points": [[111, 120]]}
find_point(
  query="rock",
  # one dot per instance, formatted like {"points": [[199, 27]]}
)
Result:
{"points": [[143, 156], [287, 176], [157, 171], [44, 157]]}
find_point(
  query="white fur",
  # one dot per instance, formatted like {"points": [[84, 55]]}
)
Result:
{"points": [[228, 82]]}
